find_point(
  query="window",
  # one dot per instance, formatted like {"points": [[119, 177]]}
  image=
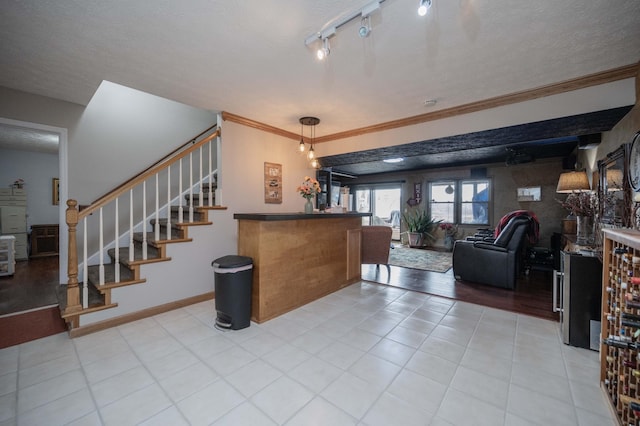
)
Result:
{"points": [[442, 203], [462, 202]]}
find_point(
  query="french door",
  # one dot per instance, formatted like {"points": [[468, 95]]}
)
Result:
{"points": [[383, 202]]}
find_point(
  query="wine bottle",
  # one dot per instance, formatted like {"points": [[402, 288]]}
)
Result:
{"points": [[619, 343], [632, 297], [630, 317]]}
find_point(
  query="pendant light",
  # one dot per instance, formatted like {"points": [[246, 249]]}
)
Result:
{"points": [[311, 122], [301, 144]]}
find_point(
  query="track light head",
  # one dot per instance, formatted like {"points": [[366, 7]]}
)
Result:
{"points": [[323, 51], [365, 27], [424, 6]]}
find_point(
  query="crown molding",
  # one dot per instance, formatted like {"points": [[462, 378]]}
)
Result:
{"points": [[608, 76]]}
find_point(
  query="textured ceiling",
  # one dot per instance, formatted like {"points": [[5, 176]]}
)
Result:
{"points": [[24, 139], [249, 57]]}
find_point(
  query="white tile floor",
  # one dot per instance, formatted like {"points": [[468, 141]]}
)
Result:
{"points": [[366, 355]]}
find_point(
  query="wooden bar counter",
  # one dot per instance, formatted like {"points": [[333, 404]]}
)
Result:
{"points": [[298, 258]]}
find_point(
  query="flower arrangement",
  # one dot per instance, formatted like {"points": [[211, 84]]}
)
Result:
{"points": [[449, 229], [18, 183], [580, 204], [309, 188]]}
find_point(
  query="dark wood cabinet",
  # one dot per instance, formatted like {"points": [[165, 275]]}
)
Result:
{"points": [[44, 240]]}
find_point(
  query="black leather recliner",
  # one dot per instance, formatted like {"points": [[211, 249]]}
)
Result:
{"points": [[492, 263]]}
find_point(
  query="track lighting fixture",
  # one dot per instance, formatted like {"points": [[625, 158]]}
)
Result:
{"points": [[364, 30], [424, 6], [329, 30]]}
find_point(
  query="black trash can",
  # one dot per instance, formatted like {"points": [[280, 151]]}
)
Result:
{"points": [[233, 282]]}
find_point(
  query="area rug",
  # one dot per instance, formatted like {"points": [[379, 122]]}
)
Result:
{"points": [[426, 260]]}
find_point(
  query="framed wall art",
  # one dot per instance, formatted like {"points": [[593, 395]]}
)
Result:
{"points": [[272, 183], [55, 191], [532, 193]]}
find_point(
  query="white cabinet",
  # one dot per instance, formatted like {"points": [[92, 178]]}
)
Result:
{"points": [[7, 259], [13, 218]]}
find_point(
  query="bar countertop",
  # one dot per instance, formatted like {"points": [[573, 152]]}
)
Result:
{"points": [[296, 216]]}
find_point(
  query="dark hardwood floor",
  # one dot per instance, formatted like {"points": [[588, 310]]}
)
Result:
{"points": [[532, 296], [33, 285]]}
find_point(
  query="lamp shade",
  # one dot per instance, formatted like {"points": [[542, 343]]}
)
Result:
{"points": [[573, 182]]}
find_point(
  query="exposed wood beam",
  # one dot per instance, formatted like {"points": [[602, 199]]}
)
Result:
{"points": [[608, 76]]}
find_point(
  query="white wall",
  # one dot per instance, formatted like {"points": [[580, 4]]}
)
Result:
{"points": [[123, 131], [37, 169]]}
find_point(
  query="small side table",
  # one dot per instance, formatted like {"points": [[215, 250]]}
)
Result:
{"points": [[44, 240]]}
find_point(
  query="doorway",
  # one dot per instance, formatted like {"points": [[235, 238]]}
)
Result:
{"points": [[383, 202]]}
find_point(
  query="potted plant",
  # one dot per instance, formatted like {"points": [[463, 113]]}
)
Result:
{"points": [[420, 227]]}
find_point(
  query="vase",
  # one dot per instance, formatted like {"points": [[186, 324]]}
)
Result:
{"points": [[308, 206], [415, 239], [584, 230], [448, 242]]}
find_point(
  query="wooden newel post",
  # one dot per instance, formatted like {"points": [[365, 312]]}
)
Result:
{"points": [[73, 291]]}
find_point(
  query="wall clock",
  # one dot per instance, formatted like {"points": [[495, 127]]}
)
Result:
{"points": [[634, 163]]}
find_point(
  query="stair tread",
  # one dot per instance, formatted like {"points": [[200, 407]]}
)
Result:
{"points": [[163, 222], [126, 274], [96, 299], [151, 238], [152, 253]]}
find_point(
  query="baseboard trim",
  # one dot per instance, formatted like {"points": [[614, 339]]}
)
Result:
{"points": [[134, 316]]}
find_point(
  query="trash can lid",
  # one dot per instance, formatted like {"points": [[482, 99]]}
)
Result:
{"points": [[231, 261]]}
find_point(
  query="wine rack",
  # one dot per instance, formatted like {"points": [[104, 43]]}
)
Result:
{"points": [[620, 347]]}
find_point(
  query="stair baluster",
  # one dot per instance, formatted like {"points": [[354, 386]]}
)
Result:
{"points": [[144, 216], [199, 180], [101, 227], [157, 227], [180, 208], [210, 195], [168, 236], [190, 187], [85, 266], [116, 259], [131, 244]]}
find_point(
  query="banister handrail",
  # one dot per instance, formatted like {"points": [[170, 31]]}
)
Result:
{"points": [[141, 177], [160, 161]]}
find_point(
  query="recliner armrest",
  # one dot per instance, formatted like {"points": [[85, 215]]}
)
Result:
{"points": [[489, 246]]}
